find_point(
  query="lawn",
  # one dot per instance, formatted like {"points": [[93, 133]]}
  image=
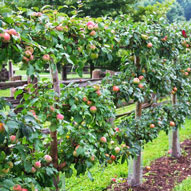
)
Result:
{"points": [[184, 186]]}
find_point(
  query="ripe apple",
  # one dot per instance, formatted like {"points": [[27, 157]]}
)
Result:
{"points": [[2, 129], [152, 126], [90, 27], [48, 158], [93, 33], [98, 92], [188, 69], [17, 188], [148, 168], [116, 88], [113, 157], [37, 164], [31, 57], [173, 92], [93, 47], [33, 169], [186, 73], [59, 28], [46, 57], [141, 86], [103, 139], [93, 109], [90, 23], [141, 77], [29, 48], [59, 116], [28, 53], [149, 45], [113, 180], [24, 189], [12, 32], [89, 102], [85, 99], [117, 150], [172, 124], [92, 158], [13, 138], [136, 80], [175, 89], [5, 37], [107, 155]]}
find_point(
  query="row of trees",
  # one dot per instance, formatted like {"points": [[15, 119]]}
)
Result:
{"points": [[70, 127]]}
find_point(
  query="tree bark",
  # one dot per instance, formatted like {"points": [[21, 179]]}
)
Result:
{"points": [[175, 138], [135, 179]]}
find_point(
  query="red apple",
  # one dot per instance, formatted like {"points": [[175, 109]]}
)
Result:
{"points": [[85, 99], [188, 69], [113, 157], [46, 57], [116, 88], [172, 124], [98, 92], [89, 102], [186, 73], [48, 158], [113, 180], [5, 37], [92, 33], [13, 138], [12, 32], [103, 139], [59, 28], [37, 164], [136, 80], [90, 23], [141, 86], [152, 126], [33, 169], [17, 187], [149, 45], [141, 77], [175, 89], [93, 109]]}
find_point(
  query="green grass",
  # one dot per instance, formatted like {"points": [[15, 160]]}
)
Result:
{"points": [[184, 186], [5, 93]]}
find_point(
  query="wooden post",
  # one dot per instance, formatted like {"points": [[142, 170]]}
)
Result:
{"points": [[54, 143], [64, 72], [91, 69], [175, 138], [11, 76]]}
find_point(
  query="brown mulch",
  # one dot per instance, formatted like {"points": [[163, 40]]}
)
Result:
{"points": [[165, 172]]}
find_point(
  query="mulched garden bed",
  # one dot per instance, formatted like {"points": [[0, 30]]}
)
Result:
{"points": [[165, 172]]}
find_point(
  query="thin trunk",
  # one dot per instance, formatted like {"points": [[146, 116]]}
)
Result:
{"points": [[10, 77], [54, 143], [175, 138], [135, 179], [64, 72]]}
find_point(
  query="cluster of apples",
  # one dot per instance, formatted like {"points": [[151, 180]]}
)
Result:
{"points": [[138, 80], [6, 36], [92, 26], [19, 188], [28, 54]]}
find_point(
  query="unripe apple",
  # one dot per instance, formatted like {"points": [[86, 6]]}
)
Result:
{"points": [[96, 87], [93, 47], [75, 154], [103, 139], [93, 109], [92, 33], [46, 57], [152, 126], [136, 80], [5, 170], [33, 169], [116, 88], [48, 158], [149, 45], [144, 37], [112, 142], [173, 92], [10, 164], [17, 188], [13, 138], [37, 164], [107, 155], [110, 161], [12, 32], [113, 157], [117, 150], [94, 55], [172, 124]]}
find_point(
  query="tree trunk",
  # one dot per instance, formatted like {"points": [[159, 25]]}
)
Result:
{"points": [[54, 143], [135, 179], [175, 138], [64, 72]]}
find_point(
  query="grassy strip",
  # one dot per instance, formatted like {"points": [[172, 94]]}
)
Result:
{"points": [[184, 186], [5, 93], [152, 151]]}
